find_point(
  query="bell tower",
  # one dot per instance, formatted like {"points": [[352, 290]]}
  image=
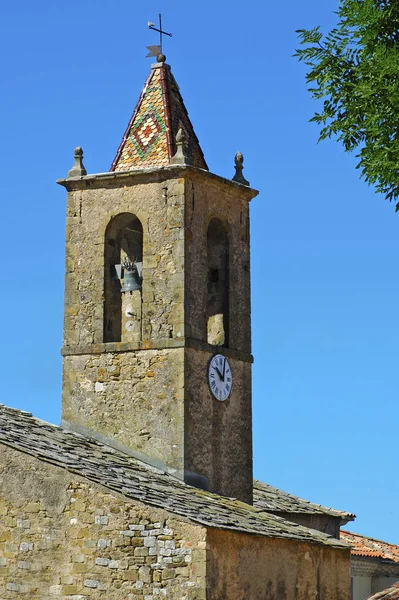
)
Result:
{"points": [[157, 332]]}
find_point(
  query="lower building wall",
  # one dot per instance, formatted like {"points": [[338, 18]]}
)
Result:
{"points": [[361, 587], [371, 575], [256, 568], [63, 538], [364, 586]]}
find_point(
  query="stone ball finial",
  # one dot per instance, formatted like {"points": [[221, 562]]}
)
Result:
{"points": [[161, 58], [78, 169], [239, 159], [180, 158], [180, 136], [239, 166]]}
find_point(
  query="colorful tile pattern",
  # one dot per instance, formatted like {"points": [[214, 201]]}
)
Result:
{"points": [[160, 112], [146, 132]]}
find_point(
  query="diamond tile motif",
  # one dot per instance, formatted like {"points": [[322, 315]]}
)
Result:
{"points": [[146, 132], [149, 140]]}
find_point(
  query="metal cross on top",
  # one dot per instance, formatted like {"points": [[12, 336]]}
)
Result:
{"points": [[156, 50]]}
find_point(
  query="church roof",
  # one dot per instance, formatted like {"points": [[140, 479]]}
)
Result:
{"points": [[150, 137], [369, 547], [391, 593], [276, 501], [138, 481]]}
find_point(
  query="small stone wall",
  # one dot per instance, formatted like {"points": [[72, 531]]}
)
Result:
{"points": [[324, 523], [63, 538]]}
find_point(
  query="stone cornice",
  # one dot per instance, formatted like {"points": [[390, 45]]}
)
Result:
{"points": [[150, 175], [160, 344]]}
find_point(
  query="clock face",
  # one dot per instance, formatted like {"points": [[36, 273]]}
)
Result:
{"points": [[220, 378]]}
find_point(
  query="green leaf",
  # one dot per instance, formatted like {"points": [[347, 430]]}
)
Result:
{"points": [[354, 71]]}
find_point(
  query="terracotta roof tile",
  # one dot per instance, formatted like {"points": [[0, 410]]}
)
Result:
{"points": [[366, 546], [391, 593]]}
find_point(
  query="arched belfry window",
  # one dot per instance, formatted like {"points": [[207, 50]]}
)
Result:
{"points": [[218, 284], [123, 258]]}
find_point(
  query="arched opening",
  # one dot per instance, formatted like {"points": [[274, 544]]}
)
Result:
{"points": [[218, 284], [123, 258]]}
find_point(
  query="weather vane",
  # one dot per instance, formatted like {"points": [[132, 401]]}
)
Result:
{"points": [[157, 50]]}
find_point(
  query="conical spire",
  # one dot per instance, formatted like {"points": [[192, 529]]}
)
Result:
{"points": [[150, 137]]}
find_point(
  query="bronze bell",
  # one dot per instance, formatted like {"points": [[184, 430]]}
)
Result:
{"points": [[131, 279]]}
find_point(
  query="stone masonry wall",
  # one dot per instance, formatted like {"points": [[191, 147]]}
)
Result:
{"points": [[146, 394], [62, 538], [160, 208], [226, 203], [135, 397], [276, 570], [219, 434]]}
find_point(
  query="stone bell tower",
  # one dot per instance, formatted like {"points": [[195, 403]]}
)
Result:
{"points": [[157, 284]]}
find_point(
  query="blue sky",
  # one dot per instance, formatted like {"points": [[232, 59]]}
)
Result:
{"points": [[324, 272]]}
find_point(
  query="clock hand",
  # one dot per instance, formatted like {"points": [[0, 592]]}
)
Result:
{"points": [[219, 373], [224, 369]]}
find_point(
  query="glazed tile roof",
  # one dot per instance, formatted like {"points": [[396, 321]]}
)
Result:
{"points": [[138, 481], [391, 593], [369, 547], [149, 140], [276, 501]]}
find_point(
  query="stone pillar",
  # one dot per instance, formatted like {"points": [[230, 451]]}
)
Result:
{"points": [[131, 316], [216, 333]]}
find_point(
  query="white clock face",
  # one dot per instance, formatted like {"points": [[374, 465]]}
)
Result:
{"points": [[220, 378]]}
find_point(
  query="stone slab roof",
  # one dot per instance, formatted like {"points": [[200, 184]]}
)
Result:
{"points": [[273, 500], [391, 593], [138, 481], [150, 137], [369, 547]]}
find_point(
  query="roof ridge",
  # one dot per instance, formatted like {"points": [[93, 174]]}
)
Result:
{"points": [[131, 120], [187, 114], [163, 72]]}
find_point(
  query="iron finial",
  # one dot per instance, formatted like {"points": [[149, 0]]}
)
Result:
{"points": [[158, 50]]}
